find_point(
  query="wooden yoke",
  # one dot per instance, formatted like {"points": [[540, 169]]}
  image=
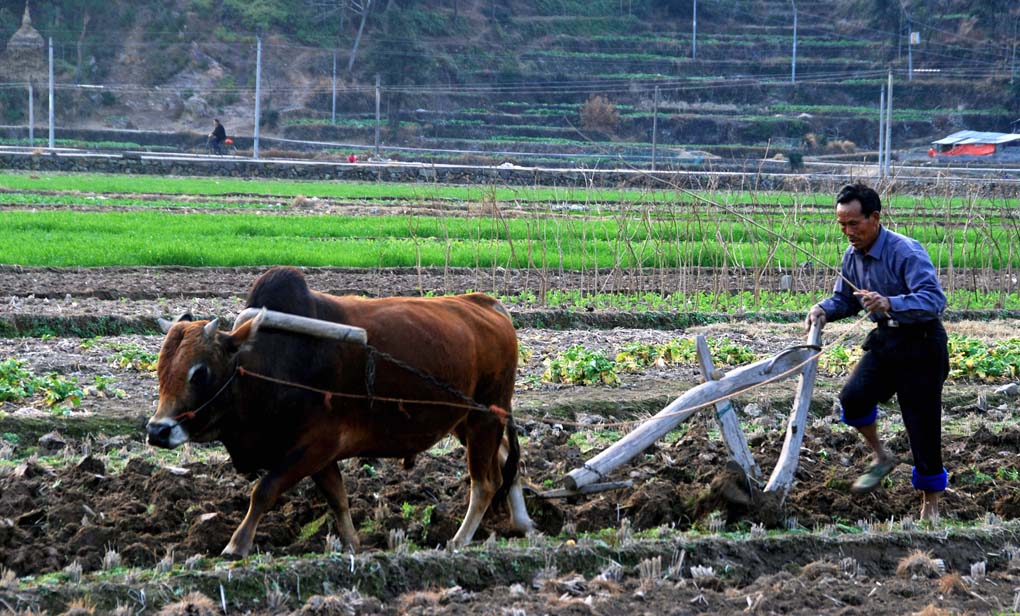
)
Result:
{"points": [[728, 385]]}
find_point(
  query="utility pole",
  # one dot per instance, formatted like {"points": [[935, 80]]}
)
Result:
{"points": [[899, 35], [51, 94], [694, 32], [793, 64], [332, 117], [1012, 63], [258, 96], [888, 125], [31, 115], [910, 49], [378, 115], [1012, 68], [655, 127], [881, 133]]}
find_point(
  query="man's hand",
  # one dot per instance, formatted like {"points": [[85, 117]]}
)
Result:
{"points": [[873, 302], [815, 315]]}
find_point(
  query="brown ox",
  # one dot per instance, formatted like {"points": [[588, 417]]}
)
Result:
{"points": [[466, 342]]}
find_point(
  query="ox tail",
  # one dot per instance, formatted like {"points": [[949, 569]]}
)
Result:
{"points": [[510, 467]]}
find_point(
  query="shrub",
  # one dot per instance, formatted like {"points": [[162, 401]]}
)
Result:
{"points": [[844, 146], [599, 114], [270, 118], [796, 160]]}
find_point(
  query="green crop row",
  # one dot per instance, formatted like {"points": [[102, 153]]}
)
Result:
{"points": [[62, 238], [97, 183], [970, 359], [764, 301], [59, 200], [868, 112], [201, 186], [94, 145]]}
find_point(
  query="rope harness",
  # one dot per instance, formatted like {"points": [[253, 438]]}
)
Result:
{"points": [[193, 413], [470, 403], [467, 402]]}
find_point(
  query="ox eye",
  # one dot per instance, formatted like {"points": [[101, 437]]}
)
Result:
{"points": [[199, 374]]}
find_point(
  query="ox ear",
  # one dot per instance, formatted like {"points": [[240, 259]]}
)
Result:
{"points": [[246, 331]]}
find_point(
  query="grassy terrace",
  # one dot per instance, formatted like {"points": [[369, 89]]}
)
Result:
{"points": [[550, 119], [69, 189]]}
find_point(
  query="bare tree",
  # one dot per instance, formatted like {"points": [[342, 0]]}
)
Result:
{"points": [[78, 47], [356, 8], [363, 7]]}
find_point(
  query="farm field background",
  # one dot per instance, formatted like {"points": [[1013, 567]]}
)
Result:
{"points": [[596, 277]]}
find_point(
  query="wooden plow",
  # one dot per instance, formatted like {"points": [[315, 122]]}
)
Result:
{"points": [[592, 476]]}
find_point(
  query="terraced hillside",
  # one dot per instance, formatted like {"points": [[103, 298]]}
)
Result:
{"points": [[730, 91], [511, 80]]}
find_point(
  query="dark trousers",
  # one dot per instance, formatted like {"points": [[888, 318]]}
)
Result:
{"points": [[913, 363]]}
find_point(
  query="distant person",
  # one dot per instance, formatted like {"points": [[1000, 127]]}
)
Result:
{"points": [[217, 137], [352, 158], [891, 277]]}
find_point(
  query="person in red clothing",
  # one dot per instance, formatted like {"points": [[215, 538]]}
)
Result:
{"points": [[352, 158]]}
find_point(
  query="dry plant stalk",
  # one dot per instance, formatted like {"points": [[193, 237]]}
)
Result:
{"points": [[920, 564], [193, 604], [952, 584], [650, 573]]}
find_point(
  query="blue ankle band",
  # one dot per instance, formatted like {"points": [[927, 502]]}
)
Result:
{"points": [[866, 420], [930, 483]]}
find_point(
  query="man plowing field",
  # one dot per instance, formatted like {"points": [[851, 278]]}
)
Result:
{"points": [[891, 277]]}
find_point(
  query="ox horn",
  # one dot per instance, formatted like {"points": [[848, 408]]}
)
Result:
{"points": [[210, 328], [166, 325], [302, 325]]}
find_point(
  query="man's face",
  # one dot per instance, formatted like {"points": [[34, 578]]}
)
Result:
{"points": [[860, 230]]}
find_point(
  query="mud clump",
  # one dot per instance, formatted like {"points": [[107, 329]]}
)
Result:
{"points": [[734, 494]]}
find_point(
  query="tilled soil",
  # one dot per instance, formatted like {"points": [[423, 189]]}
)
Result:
{"points": [[169, 283], [77, 498]]}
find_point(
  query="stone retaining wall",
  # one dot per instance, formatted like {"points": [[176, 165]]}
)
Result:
{"points": [[371, 172]]}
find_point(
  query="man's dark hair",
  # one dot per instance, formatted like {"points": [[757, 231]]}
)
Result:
{"points": [[217, 120], [870, 201]]}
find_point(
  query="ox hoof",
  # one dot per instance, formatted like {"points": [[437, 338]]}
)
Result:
{"points": [[232, 553]]}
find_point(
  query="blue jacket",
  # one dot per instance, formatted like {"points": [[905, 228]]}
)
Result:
{"points": [[897, 267]]}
